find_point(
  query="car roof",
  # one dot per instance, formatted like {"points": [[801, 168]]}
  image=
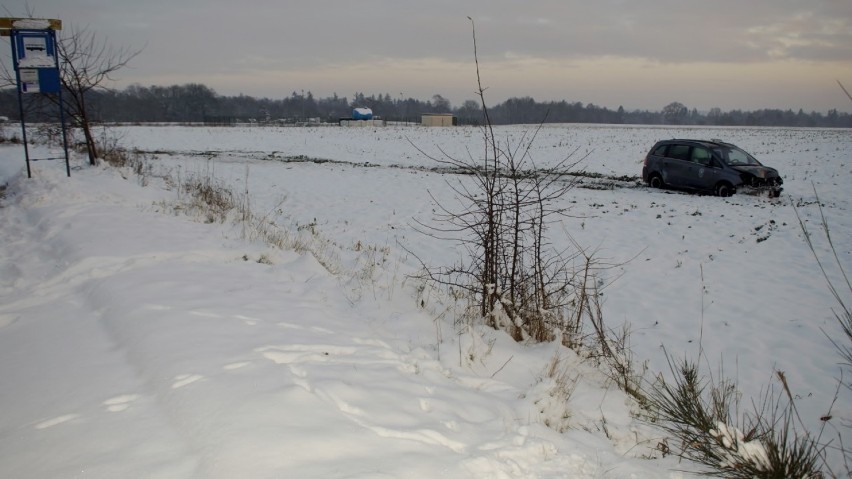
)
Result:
{"points": [[707, 143]]}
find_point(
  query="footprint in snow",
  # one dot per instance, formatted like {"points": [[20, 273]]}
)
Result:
{"points": [[120, 403], [56, 421], [247, 320], [299, 353], [235, 366], [286, 325], [182, 380]]}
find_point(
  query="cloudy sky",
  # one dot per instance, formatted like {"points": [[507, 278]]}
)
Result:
{"points": [[640, 54]]}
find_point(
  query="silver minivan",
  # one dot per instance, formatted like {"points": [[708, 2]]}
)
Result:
{"points": [[711, 166]]}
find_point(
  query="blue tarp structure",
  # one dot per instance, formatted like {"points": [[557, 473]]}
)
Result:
{"points": [[362, 114]]}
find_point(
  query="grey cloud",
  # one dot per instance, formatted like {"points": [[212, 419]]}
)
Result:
{"points": [[253, 42], [333, 31]]}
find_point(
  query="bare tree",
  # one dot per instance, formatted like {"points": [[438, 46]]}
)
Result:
{"points": [[675, 112], [86, 63], [441, 104]]}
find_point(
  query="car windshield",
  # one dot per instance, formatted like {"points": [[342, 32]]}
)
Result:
{"points": [[736, 157]]}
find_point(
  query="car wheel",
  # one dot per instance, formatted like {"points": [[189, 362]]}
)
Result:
{"points": [[724, 190], [656, 181]]}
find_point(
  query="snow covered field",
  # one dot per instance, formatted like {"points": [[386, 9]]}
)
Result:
{"points": [[137, 342]]}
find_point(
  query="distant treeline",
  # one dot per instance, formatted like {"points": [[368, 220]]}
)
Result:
{"points": [[197, 103]]}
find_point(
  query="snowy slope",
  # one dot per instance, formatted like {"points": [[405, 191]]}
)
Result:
{"points": [[137, 342]]}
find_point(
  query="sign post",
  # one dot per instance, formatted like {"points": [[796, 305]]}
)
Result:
{"points": [[36, 61]]}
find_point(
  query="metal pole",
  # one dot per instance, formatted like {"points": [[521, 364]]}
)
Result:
{"points": [[14, 37], [24, 133], [61, 102]]}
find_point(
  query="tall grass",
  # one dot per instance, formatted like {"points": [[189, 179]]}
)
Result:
{"points": [[705, 423]]}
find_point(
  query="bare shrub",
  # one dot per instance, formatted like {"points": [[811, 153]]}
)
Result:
{"points": [[49, 134], [111, 151], [5, 136], [208, 197], [516, 279], [511, 275]]}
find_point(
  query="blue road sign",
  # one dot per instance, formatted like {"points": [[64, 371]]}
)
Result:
{"points": [[35, 61]]}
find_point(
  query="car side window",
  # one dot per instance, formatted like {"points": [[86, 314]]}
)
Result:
{"points": [[701, 156], [680, 152], [660, 150]]}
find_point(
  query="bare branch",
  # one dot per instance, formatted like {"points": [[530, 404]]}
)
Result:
{"points": [[844, 90], [86, 63]]}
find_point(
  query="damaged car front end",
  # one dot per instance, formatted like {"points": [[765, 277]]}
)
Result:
{"points": [[756, 178]]}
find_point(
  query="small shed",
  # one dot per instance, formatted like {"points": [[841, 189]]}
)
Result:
{"points": [[439, 119]]}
